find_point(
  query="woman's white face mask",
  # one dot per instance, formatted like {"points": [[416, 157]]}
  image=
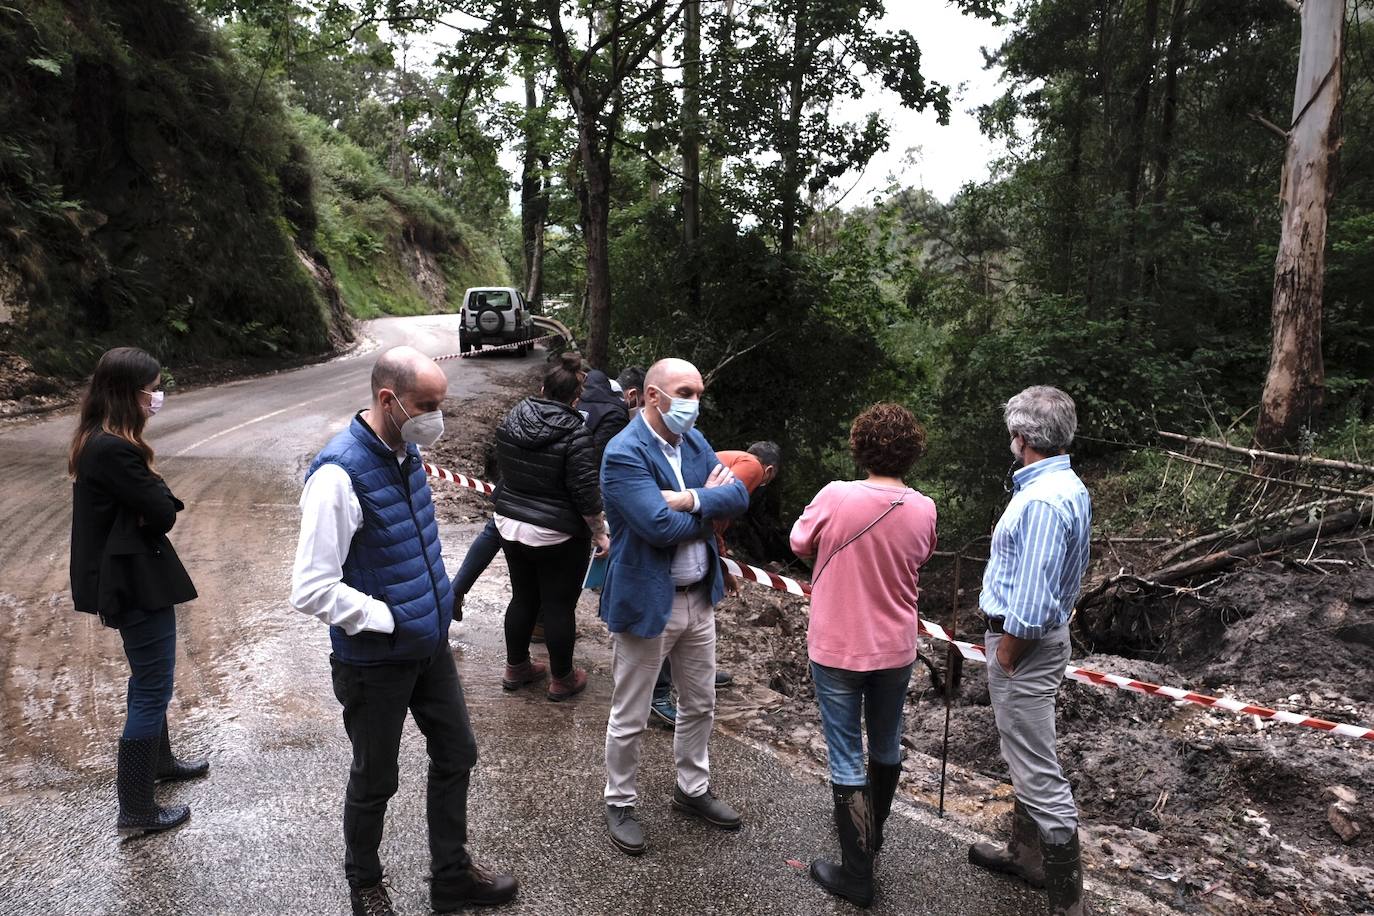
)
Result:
{"points": [[155, 399]]}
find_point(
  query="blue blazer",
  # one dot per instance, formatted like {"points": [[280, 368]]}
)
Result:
{"points": [[638, 595]]}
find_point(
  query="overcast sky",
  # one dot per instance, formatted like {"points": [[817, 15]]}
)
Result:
{"points": [[944, 157]]}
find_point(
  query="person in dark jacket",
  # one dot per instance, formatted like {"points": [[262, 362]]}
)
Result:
{"points": [[124, 569], [603, 411], [370, 565], [548, 510]]}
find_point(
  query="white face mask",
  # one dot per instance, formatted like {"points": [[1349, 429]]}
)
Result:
{"points": [[424, 429], [155, 399]]}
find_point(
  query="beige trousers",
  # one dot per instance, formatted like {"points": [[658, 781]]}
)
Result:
{"points": [[689, 640]]}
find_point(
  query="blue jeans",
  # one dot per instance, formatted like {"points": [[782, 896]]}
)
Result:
{"points": [[484, 549], [848, 700], [151, 648]]}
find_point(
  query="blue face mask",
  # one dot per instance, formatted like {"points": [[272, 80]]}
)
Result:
{"points": [[682, 415]]}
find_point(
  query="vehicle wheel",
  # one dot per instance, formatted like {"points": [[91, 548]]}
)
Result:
{"points": [[464, 345]]}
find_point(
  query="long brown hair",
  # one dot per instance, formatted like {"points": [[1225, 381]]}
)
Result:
{"points": [[111, 403]]}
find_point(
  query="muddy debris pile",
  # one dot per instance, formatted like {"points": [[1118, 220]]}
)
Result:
{"points": [[1203, 809]]}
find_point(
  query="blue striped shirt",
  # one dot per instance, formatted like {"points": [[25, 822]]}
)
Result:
{"points": [[1039, 550]]}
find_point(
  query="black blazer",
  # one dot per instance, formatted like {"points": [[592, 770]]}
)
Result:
{"points": [[122, 563]]}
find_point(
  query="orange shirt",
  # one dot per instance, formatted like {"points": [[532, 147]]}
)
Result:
{"points": [[749, 470]]}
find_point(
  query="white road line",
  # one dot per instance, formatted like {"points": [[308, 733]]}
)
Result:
{"points": [[266, 416]]}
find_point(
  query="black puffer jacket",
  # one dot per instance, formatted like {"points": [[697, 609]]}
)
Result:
{"points": [[549, 472], [606, 411]]}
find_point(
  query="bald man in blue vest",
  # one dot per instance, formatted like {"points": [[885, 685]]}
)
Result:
{"points": [[369, 564]]}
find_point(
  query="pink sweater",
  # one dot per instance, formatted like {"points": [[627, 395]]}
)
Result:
{"points": [[863, 607]]}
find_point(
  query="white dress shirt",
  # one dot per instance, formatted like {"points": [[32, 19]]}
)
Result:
{"points": [[330, 516], [691, 560]]}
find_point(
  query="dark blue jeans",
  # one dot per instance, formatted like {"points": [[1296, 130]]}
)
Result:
{"points": [[484, 549], [851, 699], [151, 648]]}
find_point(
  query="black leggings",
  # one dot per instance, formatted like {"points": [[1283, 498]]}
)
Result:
{"points": [[547, 581]]}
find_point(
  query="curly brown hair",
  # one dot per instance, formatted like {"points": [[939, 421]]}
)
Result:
{"points": [[886, 439]]}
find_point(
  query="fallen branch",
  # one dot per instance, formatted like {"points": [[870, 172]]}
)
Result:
{"points": [[1222, 559], [1334, 491], [1239, 528], [1256, 454]]}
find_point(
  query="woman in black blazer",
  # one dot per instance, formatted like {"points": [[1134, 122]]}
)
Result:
{"points": [[124, 569]]}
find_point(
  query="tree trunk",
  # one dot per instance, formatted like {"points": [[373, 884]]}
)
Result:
{"points": [[533, 197], [791, 155], [1134, 160], [1295, 384], [596, 166], [691, 147], [1168, 112]]}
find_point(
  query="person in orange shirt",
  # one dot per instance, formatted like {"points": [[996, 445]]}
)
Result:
{"points": [[755, 468]]}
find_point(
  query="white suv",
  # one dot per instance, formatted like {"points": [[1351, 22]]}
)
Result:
{"points": [[493, 315]]}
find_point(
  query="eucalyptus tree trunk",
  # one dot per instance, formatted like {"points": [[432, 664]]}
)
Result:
{"points": [[1295, 385]]}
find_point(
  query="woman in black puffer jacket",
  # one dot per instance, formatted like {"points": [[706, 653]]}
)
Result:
{"points": [[548, 511]]}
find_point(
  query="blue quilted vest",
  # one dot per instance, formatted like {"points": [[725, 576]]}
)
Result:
{"points": [[395, 555]]}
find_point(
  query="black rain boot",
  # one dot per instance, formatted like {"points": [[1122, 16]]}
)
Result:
{"points": [[170, 768], [883, 778], [138, 812], [1064, 877], [1020, 857], [852, 879]]}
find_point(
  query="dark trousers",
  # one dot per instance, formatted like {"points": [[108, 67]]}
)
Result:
{"points": [[547, 581], [484, 549], [375, 699], [151, 648], [663, 687]]}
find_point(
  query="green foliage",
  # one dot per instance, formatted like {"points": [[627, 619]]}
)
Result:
{"points": [[137, 179]]}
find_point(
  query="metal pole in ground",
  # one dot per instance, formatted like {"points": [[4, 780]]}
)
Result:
{"points": [[950, 680]]}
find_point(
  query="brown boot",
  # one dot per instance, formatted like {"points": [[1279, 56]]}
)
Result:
{"points": [[570, 685], [1020, 857], [1064, 878], [527, 672]]}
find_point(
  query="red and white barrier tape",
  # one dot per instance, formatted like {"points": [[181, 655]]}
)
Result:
{"points": [[976, 653], [472, 483], [513, 346]]}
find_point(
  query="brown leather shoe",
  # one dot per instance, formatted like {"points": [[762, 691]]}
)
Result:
{"points": [[527, 672], [560, 688]]}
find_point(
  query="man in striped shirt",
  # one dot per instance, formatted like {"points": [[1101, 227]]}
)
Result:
{"points": [[1038, 556]]}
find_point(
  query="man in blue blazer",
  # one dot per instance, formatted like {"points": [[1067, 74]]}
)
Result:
{"points": [[663, 489]]}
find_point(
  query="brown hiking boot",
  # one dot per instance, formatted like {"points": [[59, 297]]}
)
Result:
{"points": [[527, 672], [1020, 857], [573, 683]]}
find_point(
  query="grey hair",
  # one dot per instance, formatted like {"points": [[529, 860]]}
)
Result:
{"points": [[1044, 417]]}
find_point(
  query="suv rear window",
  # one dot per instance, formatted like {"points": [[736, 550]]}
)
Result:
{"points": [[496, 298]]}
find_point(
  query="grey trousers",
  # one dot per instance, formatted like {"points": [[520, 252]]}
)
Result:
{"points": [[690, 641], [1023, 705]]}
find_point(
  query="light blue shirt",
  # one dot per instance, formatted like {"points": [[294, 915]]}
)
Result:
{"points": [[1039, 550]]}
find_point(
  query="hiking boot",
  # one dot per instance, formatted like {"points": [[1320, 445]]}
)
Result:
{"points": [[852, 877], [624, 829], [1064, 877], [371, 901], [474, 886], [724, 679], [570, 685], [1020, 857], [707, 807], [882, 781], [527, 672], [173, 769], [138, 811], [663, 711]]}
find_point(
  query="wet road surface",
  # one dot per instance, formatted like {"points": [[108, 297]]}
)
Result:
{"points": [[253, 693]]}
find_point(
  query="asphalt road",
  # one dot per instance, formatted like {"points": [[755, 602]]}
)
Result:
{"points": [[253, 693]]}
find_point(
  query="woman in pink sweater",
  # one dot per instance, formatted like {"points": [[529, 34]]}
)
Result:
{"points": [[870, 539]]}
